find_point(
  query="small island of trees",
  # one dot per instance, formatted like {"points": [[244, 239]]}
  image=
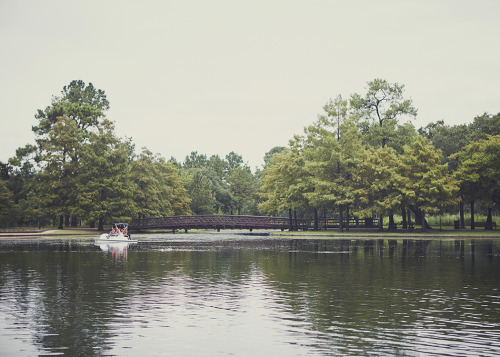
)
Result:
{"points": [[361, 158]]}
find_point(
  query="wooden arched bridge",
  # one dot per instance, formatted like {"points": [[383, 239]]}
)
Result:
{"points": [[216, 222], [219, 222]]}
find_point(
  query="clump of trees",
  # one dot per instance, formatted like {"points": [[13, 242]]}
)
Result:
{"points": [[220, 186], [79, 170], [361, 158]]}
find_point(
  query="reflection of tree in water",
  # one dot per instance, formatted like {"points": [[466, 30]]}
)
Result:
{"points": [[61, 291], [405, 291]]}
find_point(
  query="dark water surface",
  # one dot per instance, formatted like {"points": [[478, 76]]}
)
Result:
{"points": [[234, 295]]}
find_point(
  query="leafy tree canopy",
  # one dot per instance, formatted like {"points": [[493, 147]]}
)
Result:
{"points": [[479, 169], [6, 201], [427, 185], [383, 104], [84, 104]]}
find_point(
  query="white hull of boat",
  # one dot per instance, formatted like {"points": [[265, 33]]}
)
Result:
{"points": [[108, 239]]}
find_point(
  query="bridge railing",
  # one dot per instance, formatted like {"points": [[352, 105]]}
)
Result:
{"points": [[217, 222]]}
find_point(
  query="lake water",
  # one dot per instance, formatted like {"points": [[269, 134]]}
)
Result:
{"points": [[243, 295]]}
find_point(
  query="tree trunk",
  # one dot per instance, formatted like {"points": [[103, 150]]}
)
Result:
{"points": [[61, 220], [420, 218], [380, 223], [403, 216], [489, 221], [392, 227], [462, 216], [472, 222], [425, 225], [341, 218], [74, 221], [66, 221], [290, 220], [347, 218], [324, 214], [296, 223], [409, 218], [316, 219], [101, 224]]}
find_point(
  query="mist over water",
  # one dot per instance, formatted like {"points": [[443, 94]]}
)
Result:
{"points": [[229, 294]]}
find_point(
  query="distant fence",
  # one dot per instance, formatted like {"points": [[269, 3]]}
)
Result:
{"points": [[350, 223]]}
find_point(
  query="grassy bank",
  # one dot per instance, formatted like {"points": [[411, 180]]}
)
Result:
{"points": [[73, 232], [446, 221], [479, 233]]}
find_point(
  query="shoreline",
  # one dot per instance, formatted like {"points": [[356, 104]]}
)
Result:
{"points": [[433, 234], [48, 233], [423, 235]]}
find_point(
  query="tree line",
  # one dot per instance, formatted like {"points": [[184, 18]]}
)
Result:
{"points": [[362, 157]]}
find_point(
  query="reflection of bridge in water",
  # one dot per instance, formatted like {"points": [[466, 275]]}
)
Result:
{"points": [[219, 222]]}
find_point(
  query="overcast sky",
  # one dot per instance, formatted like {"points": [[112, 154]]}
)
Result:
{"points": [[227, 75]]}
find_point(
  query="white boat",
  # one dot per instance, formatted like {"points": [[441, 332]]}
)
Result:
{"points": [[119, 233]]}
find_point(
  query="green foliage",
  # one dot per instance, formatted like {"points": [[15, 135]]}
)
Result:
{"points": [[201, 192], [63, 129], [377, 182], [383, 101], [219, 166], [357, 153], [427, 185], [479, 169], [158, 190], [173, 186], [234, 160], [452, 139], [336, 113], [485, 125], [227, 185], [104, 187], [195, 160], [59, 157], [381, 107], [448, 139], [6, 201], [83, 104], [331, 150], [269, 155], [242, 186], [281, 182]]}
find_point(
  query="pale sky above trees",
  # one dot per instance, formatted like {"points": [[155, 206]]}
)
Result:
{"points": [[245, 76]]}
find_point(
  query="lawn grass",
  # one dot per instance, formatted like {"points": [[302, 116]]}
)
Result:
{"points": [[65, 232]]}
